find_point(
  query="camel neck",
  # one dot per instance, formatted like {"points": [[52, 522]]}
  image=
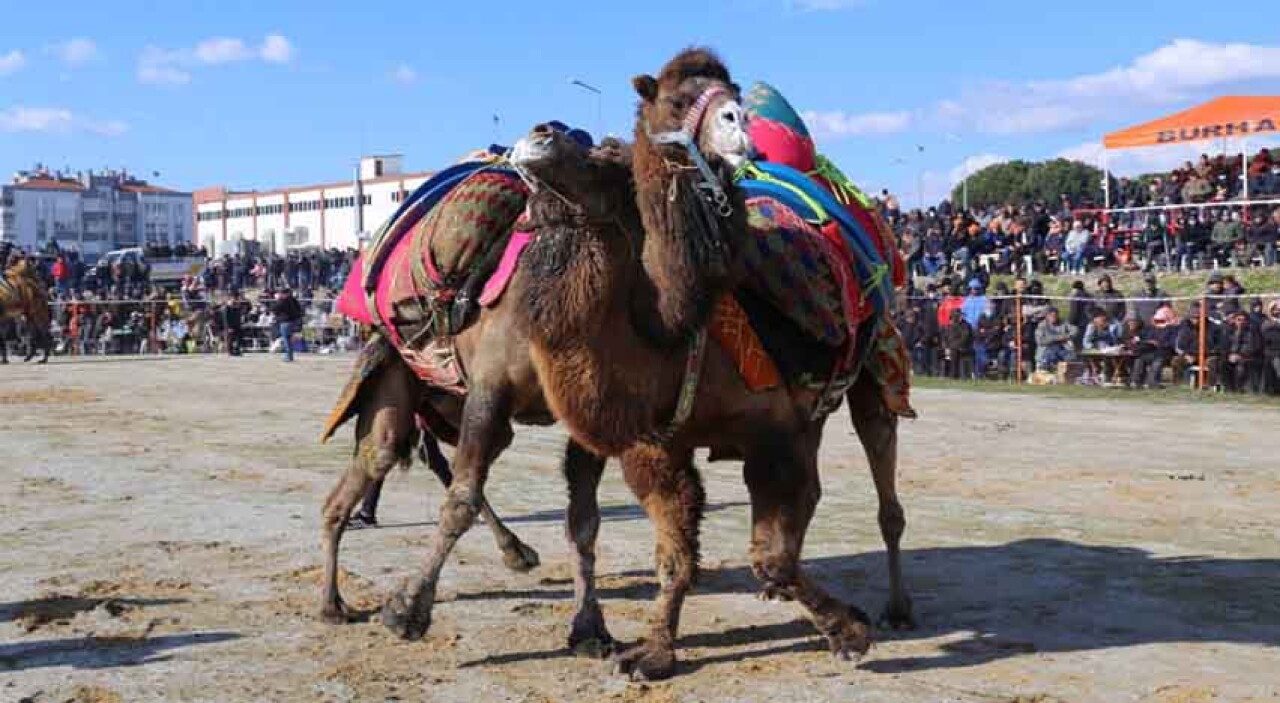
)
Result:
{"points": [[688, 255]]}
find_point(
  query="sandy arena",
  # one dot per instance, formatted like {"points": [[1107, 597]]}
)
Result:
{"points": [[160, 542]]}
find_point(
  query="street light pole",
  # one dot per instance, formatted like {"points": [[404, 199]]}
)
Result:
{"points": [[599, 95]]}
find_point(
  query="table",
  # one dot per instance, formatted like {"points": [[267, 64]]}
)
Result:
{"points": [[1117, 360]]}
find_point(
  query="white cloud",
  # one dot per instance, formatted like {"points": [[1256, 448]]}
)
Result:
{"points": [[1178, 72], [276, 49], [222, 50], [12, 62], [404, 74], [841, 124], [21, 119], [973, 164], [74, 52], [160, 66]]}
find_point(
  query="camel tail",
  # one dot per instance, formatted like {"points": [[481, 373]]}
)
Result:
{"points": [[371, 358]]}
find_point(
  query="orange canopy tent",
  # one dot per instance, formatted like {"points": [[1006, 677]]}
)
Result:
{"points": [[1241, 116], [1230, 116]]}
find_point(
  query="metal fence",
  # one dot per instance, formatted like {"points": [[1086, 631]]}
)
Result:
{"points": [[1200, 357], [113, 327]]}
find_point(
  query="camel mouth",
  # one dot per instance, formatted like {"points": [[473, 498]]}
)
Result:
{"points": [[532, 149]]}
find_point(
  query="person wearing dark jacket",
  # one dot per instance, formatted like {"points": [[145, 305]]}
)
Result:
{"points": [[957, 347], [1150, 299], [1186, 348], [1109, 299], [288, 313], [1241, 352], [1079, 309], [231, 321], [1154, 348], [1270, 334]]}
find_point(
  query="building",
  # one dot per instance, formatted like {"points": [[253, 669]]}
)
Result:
{"points": [[90, 212], [326, 216]]}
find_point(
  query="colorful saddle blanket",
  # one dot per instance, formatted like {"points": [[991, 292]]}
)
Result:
{"points": [[432, 260], [794, 178]]}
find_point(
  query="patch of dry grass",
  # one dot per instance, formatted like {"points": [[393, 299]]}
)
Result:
{"points": [[49, 396]]}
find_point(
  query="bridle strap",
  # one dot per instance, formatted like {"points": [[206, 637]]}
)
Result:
{"points": [[687, 137]]}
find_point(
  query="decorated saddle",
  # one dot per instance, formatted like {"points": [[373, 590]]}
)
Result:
{"points": [[821, 262], [429, 266]]}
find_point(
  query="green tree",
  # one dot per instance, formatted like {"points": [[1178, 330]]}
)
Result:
{"points": [[1021, 182]]}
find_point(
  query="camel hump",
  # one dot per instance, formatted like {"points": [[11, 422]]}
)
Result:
{"points": [[372, 357]]}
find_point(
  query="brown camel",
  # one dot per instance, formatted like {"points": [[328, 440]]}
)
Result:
{"points": [[22, 294], [609, 297], [387, 403]]}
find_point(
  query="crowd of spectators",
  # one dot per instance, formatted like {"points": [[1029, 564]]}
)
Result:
{"points": [[112, 308], [1062, 237], [960, 331]]}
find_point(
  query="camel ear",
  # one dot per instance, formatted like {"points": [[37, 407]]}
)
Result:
{"points": [[737, 90], [646, 87]]}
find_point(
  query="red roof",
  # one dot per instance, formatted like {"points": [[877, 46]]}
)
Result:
{"points": [[138, 188], [50, 184]]}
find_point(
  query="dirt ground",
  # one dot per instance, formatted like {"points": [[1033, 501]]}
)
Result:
{"points": [[160, 542]]}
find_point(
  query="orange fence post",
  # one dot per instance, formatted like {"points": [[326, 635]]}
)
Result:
{"points": [[1204, 336], [1017, 326]]}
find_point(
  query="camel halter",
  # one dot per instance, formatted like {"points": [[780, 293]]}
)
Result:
{"points": [[708, 186]]}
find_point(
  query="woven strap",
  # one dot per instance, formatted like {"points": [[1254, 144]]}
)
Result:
{"points": [[688, 389]]}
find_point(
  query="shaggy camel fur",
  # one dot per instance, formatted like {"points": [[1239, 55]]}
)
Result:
{"points": [[22, 294]]}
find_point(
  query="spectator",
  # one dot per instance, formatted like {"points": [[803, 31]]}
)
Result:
{"points": [[974, 306], [1241, 352], [1149, 299], [288, 313], [1109, 299], [1078, 313], [1102, 332], [1226, 235], [1270, 334], [231, 322], [1187, 347], [957, 347], [1077, 247], [1156, 348], [988, 342], [1262, 237], [1054, 341]]}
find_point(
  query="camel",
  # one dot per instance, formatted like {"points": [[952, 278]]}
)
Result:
{"points": [[385, 407], [22, 293], [609, 296]]}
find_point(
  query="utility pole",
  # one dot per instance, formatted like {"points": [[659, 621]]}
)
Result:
{"points": [[599, 110]]}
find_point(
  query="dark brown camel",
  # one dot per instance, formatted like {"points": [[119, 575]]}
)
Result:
{"points": [[386, 434], [609, 297]]}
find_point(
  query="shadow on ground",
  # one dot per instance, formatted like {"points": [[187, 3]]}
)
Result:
{"points": [[622, 512], [995, 602], [101, 652]]}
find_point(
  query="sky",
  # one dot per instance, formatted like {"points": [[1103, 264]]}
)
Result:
{"points": [[903, 95]]}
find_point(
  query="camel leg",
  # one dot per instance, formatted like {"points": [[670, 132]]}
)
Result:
{"points": [[516, 555], [384, 436], [588, 635], [784, 487], [668, 486], [486, 431], [878, 430]]}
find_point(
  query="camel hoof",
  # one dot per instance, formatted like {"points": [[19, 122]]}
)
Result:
{"points": [[588, 637], [646, 662], [402, 617], [520, 558], [898, 616], [361, 521], [850, 635], [335, 613]]}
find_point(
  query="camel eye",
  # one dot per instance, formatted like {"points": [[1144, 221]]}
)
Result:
{"points": [[678, 102]]}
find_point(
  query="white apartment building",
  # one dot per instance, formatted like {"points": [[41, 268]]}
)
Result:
{"points": [[332, 215], [90, 212]]}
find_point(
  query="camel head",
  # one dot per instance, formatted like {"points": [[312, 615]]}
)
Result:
{"points": [[594, 181], [694, 94]]}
